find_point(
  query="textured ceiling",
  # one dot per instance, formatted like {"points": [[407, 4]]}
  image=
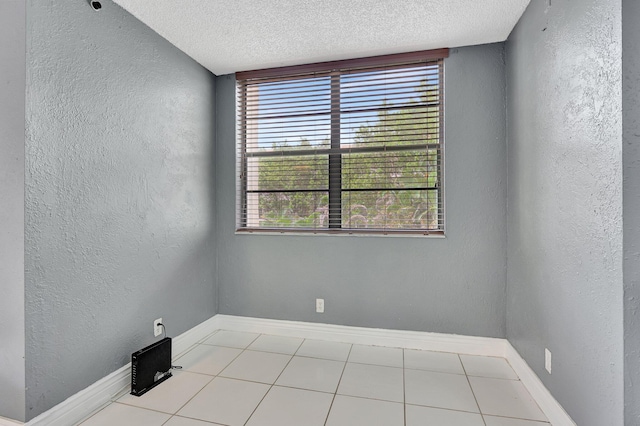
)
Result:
{"points": [[238, 35]]}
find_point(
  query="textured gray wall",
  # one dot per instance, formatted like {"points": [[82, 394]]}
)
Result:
{"points": [[119, 194], [12, 86], [451, 285], [631, 205], [564, 285]]}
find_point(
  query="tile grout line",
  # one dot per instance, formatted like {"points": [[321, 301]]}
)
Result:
{"points": [[353, 396], [207, 384], [274, 382], [116, 397], [455, 410], [265, 394], [404, 389], [521, 419], [212, 377], [81, 422], [292, 355], [194, 346], [517, 379], [206, 422], [326, 359], [472, 392], [338, 385], [172, 415], [139, 408]]}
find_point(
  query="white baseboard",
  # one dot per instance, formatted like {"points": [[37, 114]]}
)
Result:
{"points": [[78, 406], [470, 345], [8, 422], [81, 405], [183, 342], [548, 404]]}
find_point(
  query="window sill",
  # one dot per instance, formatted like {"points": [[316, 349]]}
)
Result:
{"points": [[350, 233]]}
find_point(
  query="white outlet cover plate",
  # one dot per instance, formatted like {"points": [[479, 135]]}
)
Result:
{"points": [[320, 306], [157, 329], [547, 360]]}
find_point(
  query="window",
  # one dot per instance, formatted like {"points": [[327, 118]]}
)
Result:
{"points": [[350, 146]]}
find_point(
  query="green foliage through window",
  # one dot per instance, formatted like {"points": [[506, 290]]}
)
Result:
{"points": [[347, 151]]}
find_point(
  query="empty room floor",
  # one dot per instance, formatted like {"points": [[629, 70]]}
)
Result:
{"points": [[235, 378]]}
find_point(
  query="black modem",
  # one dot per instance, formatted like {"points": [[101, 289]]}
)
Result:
{"points": [[150, 366]]}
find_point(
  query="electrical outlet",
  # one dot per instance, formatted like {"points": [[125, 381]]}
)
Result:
{"points": [[157, 329], [547, 360], [320, 306]]}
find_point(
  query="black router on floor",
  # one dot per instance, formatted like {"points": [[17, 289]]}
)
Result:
{"points": [[150, 366]]}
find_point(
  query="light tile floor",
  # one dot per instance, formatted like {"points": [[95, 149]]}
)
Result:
{"points": [[237, 379]]}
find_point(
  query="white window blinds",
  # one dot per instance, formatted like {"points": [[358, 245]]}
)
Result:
{"points": [[348, 146]]}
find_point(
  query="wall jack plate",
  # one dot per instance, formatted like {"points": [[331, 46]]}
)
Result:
{"points": [[547, 360], [320, 306], [157, 329]]}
